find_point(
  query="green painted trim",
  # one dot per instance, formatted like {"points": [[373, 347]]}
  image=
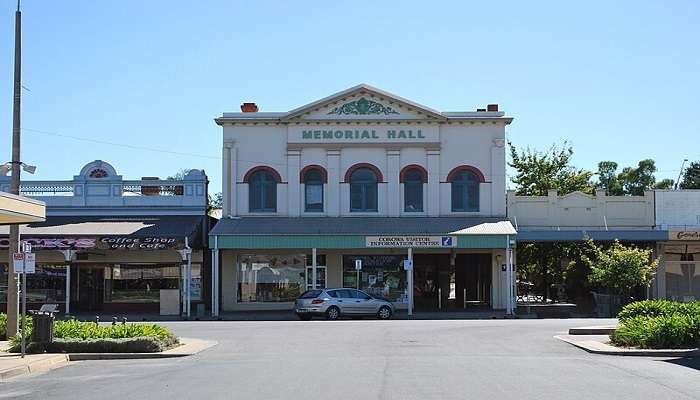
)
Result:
{"points": [[337, 241]]}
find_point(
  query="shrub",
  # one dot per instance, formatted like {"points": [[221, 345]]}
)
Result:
{"points": [[105, 345], [657, 308], [3, 326], [70, 332], [659, 332]]}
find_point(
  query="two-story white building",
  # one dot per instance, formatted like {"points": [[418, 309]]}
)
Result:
{"points": [[363, 175]]}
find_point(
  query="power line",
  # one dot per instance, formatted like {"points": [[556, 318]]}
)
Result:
{"points": [[128, 146]]}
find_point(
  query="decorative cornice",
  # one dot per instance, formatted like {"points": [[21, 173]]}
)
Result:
{"points": [[362, 106]]}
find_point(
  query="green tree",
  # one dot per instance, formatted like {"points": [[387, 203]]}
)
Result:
{"points": [[691, 176], [620, 268], [631, 181], [179, 175], [537, 172], [216, 202], [608, 179]]}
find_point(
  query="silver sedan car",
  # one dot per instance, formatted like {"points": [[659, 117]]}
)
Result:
{"points": [[334, 303]]}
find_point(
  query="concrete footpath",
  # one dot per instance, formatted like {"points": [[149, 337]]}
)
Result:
{"points": [[13, 365], [600, 344]]}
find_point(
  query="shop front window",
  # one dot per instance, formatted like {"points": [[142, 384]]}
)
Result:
{"points": [[46, 285], [381, 276], [139, 283], [363, 191], [313, 191], [682, 277], [262, 192], [413, 191], [465, 192], [271, 278], [320, 272]]}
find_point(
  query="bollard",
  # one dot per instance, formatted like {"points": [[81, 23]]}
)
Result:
{"points": [[123, 320], [97, 319], [114, 320]]}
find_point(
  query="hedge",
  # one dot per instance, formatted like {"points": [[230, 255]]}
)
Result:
{"points": [[657, 308], [89, 337], [658, 324], [3, 326], [108, 345]]}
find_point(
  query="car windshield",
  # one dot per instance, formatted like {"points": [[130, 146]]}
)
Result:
{"points": [[310, 294]]}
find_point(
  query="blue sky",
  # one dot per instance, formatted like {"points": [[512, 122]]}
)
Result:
{"points": [[618, 80]]}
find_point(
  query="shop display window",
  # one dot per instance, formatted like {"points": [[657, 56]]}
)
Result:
{"points": [[381, 276], [46, 285], [139, 283], [271, 278]]}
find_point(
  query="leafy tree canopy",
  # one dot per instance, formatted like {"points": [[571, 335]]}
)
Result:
{"points": [[538, 172], [691, 176], [620, 268], [631, 181]]}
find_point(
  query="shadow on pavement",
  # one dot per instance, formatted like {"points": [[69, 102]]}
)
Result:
{"points": [[689, 362]]}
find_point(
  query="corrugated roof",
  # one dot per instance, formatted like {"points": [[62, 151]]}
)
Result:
{"points": [[597, 235], [174, 226], [488, 228], [346, 225]]}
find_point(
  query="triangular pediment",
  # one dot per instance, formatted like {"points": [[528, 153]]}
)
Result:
{"points": [[363, 102]]}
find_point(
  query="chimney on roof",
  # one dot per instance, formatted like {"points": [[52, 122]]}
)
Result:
{"points": [[249, 107], [492, 107]]}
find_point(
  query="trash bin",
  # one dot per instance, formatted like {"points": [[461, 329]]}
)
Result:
{"points": [[42, 330]]}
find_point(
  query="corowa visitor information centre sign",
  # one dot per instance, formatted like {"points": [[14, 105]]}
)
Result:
{"points": [[410, 241]]}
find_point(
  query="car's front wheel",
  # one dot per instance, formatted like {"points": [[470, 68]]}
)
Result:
{"points": [[333, 313], [384, 312]]}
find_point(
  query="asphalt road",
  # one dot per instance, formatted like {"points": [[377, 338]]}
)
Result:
{"points": [[337, 360]]}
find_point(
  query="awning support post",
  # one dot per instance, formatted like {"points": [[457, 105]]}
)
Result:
{"points": [[410, 283], [313, 268], [68, 257], [215, 278]]}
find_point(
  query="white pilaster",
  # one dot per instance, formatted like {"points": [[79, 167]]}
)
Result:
{"points": [[497, 178], [334, 178], [393, 198], [293, 185], [227, 180], [433, 163], [233, 178]]}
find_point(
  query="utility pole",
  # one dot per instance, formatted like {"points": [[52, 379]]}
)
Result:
{"points": [[12, 289]]}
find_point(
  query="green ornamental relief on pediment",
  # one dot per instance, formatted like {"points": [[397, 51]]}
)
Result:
{"points": [[363, 107]]}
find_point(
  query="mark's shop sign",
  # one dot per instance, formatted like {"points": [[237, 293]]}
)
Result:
{"points": [[115, 242], [684, 235]]}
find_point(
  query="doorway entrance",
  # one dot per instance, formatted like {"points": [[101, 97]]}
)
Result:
{"points": [[87, 288], [440, 284]]}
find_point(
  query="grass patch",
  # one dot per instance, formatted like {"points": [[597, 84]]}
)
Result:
{"points": [[658, 324]]}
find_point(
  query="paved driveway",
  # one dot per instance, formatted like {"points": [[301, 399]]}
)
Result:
{"points": [[336, 360]]}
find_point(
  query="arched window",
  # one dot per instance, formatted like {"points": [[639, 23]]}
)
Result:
{"points": [[465, 191], [262, 191], [363, 190], [413, 190], [313, 190]]}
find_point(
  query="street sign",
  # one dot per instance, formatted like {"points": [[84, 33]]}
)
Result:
{"points": [[408, 265], [358, 264], [29, 263], [18, 262]]}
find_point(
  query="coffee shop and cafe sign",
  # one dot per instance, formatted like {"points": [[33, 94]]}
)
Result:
{"points": [[100, 243]]}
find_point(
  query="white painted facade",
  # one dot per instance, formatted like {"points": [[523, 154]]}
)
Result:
{"points": [[677, 209], [449, 140], [362, 127]]}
